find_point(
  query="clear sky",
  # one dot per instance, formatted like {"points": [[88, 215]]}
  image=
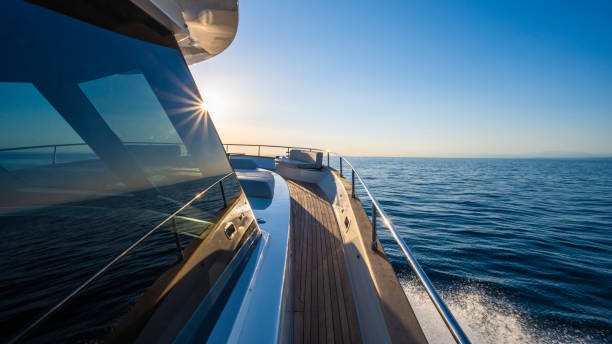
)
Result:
{"points": [[404, 78]]}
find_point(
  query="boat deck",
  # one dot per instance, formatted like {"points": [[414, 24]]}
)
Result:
{"points": [[324, 309]]}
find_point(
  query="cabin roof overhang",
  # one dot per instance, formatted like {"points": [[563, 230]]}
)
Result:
{"points": [[202, 28]]}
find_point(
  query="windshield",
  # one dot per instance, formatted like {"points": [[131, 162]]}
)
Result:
{"points": [[102, 137]]}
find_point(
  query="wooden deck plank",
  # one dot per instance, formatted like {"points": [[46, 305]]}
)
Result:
{"points": [[309, 266], [353, 331], [298, 327], [314, 280], [322, 271], [342, 330], [341, 333], [327, 333], [301, 252], [328, 265], [321, 280], [318, 301], [297, 242]]}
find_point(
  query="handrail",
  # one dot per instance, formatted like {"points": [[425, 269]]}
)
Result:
{"points": [[42, 146], [447, 316], [445, 313], [54, 158], [227, 145], [83, 144], [102, 271]]}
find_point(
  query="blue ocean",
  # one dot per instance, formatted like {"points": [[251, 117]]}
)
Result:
{"points": [[520, 249]]}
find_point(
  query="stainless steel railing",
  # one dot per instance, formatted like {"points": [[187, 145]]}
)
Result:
{"points": [[102, 271], [445, 313], [447, 317], [288, 148], [55, 146]]}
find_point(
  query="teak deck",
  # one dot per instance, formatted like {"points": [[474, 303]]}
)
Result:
{"points": [[324, 310]]}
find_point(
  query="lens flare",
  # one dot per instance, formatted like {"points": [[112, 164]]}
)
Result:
{"points": [[208, 17]]}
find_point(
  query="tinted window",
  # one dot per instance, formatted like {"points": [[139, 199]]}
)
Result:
{"points": [[102, 137]]}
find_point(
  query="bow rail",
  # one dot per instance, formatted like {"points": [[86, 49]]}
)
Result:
{"points": [[448, 318]]}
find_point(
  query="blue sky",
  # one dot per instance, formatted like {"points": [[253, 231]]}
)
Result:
{"points": [[398, 78]]}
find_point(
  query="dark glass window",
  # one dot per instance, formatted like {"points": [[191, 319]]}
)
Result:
{"points": [[102, 137]]}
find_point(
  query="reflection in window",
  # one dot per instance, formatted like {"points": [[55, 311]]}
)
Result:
{"points": [[189, 220], [129, 106], [118, 162], [27, 120]]}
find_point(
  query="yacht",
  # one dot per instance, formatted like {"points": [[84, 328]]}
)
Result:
{"points": [[125, 218]]}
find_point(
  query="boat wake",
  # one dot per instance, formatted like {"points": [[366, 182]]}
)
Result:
{"points": [[483, 319]]}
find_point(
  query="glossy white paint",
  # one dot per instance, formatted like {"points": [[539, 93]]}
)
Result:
{"points": [[202, 28], [259, 307]]}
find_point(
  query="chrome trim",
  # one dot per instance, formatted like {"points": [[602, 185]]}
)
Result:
{"points": [[448, 318], [227, 145], [102, 271]]}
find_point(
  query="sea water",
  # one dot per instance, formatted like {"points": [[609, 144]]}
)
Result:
{"points": [[519, 249]]}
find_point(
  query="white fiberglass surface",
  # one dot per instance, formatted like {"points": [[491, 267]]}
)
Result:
{"points": [[253, 311]]}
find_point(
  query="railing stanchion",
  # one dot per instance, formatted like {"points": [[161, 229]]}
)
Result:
{"points": [[223, 194], [177, 239], [374, 243], [259, 150], [353, 182], [54, 153], [377, 211]]}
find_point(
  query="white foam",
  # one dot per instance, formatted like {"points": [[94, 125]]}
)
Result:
{"points": [[483, 320]]}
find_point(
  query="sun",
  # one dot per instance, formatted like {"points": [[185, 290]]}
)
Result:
{"points": [[215, 102]]}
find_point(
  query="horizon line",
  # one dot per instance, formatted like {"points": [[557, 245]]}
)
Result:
{"points": [[489, 156]]}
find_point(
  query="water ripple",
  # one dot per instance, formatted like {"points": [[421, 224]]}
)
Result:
{"points": [[521, 249]]}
